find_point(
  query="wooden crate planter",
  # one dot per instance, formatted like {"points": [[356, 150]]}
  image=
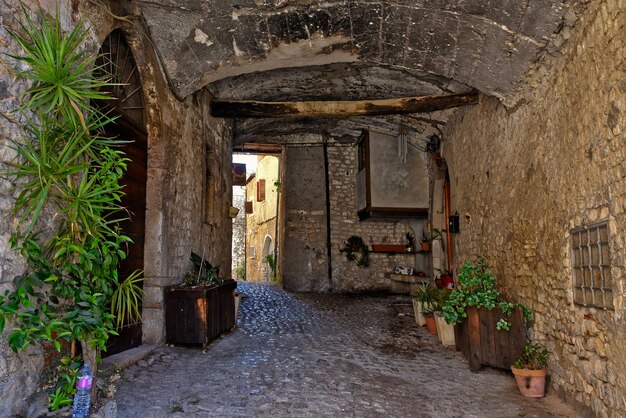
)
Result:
{"points": [[484, 345], [200, 314]]}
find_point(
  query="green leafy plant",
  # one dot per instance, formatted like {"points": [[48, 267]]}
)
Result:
{"points": [[240, 272], [477, 288], [203, 274], [65, 389], [534, 357], [271, 262], [66, 168], [427, 295], [353, 245], [436, 235]]}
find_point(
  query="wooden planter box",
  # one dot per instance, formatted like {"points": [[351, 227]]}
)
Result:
{"points": [[200, 314], [484, 345]]}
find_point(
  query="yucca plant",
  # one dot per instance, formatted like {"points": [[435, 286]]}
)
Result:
{"points": [[67, 170]]}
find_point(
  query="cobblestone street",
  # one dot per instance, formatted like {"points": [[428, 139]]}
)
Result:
{"points": [[309, 355]]}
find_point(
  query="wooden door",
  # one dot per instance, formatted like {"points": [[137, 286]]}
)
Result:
{"points": [[116, 63], [134, 201]]}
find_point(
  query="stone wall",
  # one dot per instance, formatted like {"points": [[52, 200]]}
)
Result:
{"points": [[239, 232], [523, 178], [261, 223], [305, 258], [19, 373], [304, 262], [189, 154], [344, 222]]}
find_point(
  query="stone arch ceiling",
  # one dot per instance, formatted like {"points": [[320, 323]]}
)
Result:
{"points": [[347, 50]]}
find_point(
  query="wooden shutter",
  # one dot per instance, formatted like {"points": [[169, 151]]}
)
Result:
{"points": [[260, 190], [249, 207]]}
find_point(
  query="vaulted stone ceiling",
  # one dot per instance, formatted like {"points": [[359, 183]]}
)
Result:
{"points": [[280, 50]]}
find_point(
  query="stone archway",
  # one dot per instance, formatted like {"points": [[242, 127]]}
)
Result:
{"points": [[117, 61], [268, 250]]}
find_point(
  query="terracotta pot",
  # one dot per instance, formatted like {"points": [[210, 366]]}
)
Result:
{"points": [[431, 325], [425, 246], [531, 383]]}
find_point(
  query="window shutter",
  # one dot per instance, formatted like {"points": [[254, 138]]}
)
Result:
{"points": [[260, 190], [249, 208]]}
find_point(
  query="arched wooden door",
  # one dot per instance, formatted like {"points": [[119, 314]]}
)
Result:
{"points": [[117, 61]]}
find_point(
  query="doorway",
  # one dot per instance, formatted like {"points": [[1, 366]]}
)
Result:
{"points": [[116, 61]]}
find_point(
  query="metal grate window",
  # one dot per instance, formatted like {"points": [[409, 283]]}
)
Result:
{"points": [[591, 265]]}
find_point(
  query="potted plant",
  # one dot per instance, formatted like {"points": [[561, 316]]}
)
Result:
{"points": [[476, 307], [445, 331], [530, 370], [423, 299], [202, 307], [353, 245], [426, 240], [429, 317]]}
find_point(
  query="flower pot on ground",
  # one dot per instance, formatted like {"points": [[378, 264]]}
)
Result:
{"points": [[419, 316], [489, 331], [431, 326], [425, 297], [530, 371], [445, 331], [202, 308]]}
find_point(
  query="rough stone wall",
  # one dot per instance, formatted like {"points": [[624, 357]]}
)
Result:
{"points": [[522, 178], [239, 231], [190, 205], [344, 222], [304, 260], [262, 222], [180, 134], [19, 373]]}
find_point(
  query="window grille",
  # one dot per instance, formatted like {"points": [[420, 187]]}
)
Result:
{"points": [[252, 252], [591, 265]]}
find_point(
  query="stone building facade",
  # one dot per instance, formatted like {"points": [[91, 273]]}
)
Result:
{"points": [[262, 226], [188, 185], [539, 158], [238, 263], [311, 212], [522, 179]]}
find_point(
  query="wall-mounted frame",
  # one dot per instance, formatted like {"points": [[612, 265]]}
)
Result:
{"points": [[387, 187]]}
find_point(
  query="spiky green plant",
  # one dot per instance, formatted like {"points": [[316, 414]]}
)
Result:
{"points": [[67, 169]]}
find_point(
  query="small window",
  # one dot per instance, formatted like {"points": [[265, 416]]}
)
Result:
{"points": [[252, 251], [260, 190], [591, 265]]}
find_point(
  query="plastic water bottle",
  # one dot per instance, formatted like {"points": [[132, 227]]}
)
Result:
{"points": [[82, 398]]}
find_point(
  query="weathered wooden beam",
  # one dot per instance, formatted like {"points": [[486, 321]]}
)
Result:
{"points": [[316, 109]]}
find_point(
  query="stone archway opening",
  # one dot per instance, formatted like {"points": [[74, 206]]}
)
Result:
{"points": [[117, 61], [258, 226], [269, 261]]}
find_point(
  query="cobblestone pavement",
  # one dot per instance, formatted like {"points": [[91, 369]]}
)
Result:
{"points": [[310, 355]]}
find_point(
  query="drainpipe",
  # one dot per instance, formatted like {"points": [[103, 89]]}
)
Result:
{"points": [[276, 219], [328, 234], [448, 233]]}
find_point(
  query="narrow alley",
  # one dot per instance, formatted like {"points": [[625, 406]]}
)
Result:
{"points": [[304, 355]]}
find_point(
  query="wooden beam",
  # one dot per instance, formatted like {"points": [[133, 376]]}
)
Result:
{"points": [[317, 109]]}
